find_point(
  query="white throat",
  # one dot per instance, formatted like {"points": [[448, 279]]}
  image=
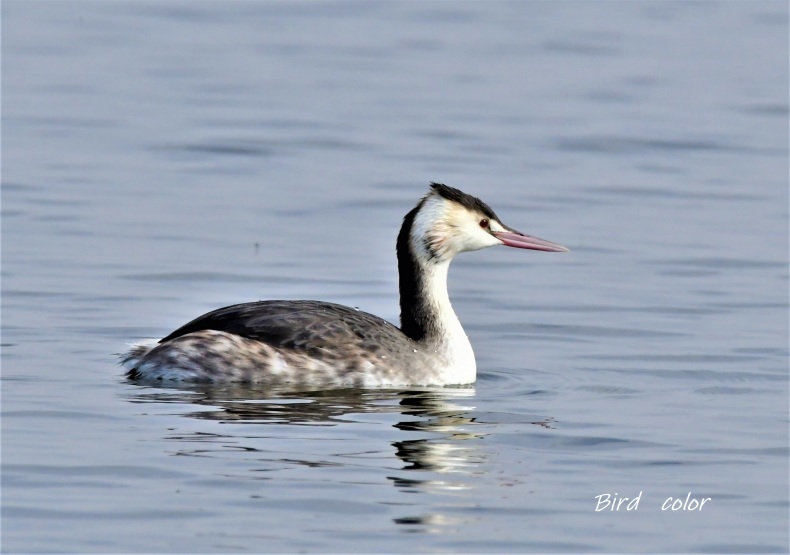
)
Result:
{"points": [[448, 341]]}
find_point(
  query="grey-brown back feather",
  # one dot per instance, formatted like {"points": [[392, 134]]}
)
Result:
{"points": [[298, 325]]}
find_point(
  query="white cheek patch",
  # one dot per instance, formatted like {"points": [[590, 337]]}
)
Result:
{"points": [[443, 229], [430, 231], [476, 237]]}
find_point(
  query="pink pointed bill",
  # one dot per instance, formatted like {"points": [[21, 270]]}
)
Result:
{"points": [[521, 241]]}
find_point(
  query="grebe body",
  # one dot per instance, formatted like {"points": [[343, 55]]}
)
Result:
{"points": [[321, 344]]}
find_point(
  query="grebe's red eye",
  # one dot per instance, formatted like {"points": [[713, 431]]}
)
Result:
{"points": [[484, 223]]}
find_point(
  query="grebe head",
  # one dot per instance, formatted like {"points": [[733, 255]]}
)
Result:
{"points": [[448, 221]]}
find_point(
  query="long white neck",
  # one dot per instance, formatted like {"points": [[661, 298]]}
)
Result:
{"points": [[427, 316], [447, 338]]}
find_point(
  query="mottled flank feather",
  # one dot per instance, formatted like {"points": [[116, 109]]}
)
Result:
{"points": [[136, 352], [278, 342], [215, 356]]}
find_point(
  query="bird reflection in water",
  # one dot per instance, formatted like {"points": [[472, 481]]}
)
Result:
{"points": [[243, 404], [446, 457]]}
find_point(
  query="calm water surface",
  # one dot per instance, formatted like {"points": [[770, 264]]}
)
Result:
{"points": [[161, 159]]}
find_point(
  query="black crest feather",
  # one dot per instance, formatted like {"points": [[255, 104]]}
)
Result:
{"points": [[467, 201]]}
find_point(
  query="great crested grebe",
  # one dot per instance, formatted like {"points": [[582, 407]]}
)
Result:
{"points": [[322, 344]]}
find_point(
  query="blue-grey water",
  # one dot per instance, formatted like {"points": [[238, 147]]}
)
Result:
{"points": [[161, 159]]}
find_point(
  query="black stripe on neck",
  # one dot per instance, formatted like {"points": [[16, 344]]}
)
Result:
{"points": [[416, 321]]}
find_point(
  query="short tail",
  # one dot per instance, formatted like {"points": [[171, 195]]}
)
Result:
{"points": [[131, 358]]}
